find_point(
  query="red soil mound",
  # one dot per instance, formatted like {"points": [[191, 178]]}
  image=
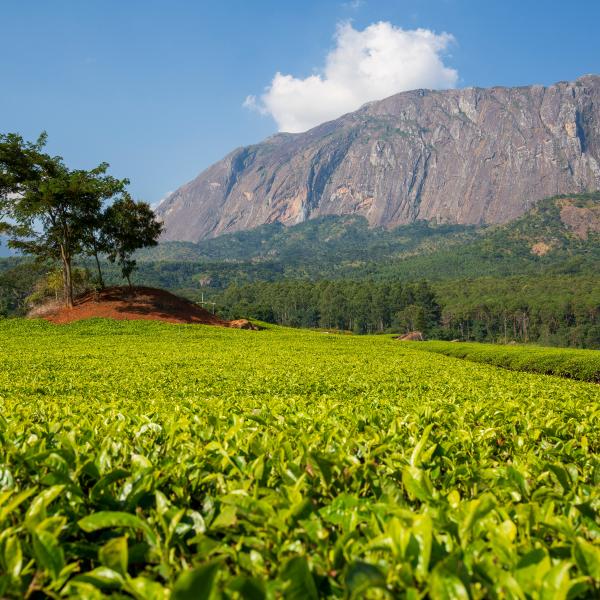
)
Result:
{"points": [[124, 304]]}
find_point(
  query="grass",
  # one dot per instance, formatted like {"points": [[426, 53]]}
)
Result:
{"points": [[149, 460], [583, 365]]}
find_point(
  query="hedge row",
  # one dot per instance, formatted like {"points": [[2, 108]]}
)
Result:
{"points": [[583, 365]]}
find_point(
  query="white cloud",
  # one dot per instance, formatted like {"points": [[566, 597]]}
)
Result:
{"points": [[366, 65], [353, 4]]}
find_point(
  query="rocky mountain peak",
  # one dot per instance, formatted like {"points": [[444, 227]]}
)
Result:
{"points": [[466, 156]]}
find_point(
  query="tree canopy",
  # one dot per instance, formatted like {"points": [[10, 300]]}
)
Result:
{"points": [[55, 213]]}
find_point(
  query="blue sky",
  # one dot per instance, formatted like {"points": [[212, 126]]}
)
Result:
{"points": [[156, 88]]}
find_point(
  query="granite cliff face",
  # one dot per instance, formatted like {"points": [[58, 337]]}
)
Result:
{"points": [[465, 156]]}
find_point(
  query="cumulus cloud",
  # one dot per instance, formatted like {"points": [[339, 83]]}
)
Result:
{"points": [[366, 65]]}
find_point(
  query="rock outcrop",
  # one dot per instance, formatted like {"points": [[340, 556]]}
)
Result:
{"points": [[468, 156]]}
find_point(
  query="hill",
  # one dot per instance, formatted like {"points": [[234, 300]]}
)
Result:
{"points": [[470, 156], [558, 235], [124, 304]]}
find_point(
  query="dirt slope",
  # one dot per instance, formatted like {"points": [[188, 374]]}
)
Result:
{"points": [[121, 303]]}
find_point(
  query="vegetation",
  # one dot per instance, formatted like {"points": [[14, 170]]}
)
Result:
{"points": [[362, 307], [558, 310], [287, 463], [488, 309], [576, 364], [345, 247], [54, 213], [127, 227], [488, 283]]}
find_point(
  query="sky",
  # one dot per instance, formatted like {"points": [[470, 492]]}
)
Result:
{"points": [[162, 89]]}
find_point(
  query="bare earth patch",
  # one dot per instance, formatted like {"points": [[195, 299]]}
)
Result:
{"points": [[581, 221], [541, 248], [143, 303]]}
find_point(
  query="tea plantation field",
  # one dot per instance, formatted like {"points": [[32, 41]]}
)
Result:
{"points": [[141, 460]]}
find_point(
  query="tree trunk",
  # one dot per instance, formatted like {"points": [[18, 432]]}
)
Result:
{"points": [[100, 279], [67, 277]]}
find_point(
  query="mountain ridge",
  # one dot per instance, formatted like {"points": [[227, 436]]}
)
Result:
{"points": [[468, 156], [560, 234]]}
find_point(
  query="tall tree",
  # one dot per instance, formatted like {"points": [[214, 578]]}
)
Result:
{"points": [[35, 203], [48, 210], [94, 219], [129, 226]]}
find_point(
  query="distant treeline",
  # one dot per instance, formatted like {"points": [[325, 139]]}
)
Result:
{"points": [[551, 311], [548, 309], [358, 306]]}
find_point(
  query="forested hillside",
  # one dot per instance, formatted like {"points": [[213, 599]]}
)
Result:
{"points": [[559, 235]]}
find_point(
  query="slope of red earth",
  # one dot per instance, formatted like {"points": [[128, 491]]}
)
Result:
{"points": [[122, 303]]}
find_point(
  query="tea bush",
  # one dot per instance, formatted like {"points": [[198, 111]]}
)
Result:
{"points": [[145, 460]]}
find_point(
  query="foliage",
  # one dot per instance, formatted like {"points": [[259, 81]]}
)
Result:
{"points": [[360, 306], [54, 213], [50, 286], [17, 281], [345, 247], [322, 243], [558, 310], [577, 364], [50, 208], [127, 227], [287, 463]]}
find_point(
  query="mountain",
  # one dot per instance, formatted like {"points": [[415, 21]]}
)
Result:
{"points": [[330, 239], [470, 156]]}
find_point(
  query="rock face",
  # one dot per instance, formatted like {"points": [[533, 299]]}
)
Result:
{"points": [[469, 156]]}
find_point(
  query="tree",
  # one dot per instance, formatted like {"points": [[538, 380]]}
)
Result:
{"points": [[128, 226], [94, 220], [37, 193], [52, 212]]}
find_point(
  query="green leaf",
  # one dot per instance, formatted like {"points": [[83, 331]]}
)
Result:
{"points": [[249, 588], [416, 453], [416, 483], [556, 583], [361, 576], [226, 518], [587, 558], [475, 511], [106, 519], [48, 553], [101, 578], [114, 555], [102, 486], [9, 502], [196, 584], [37, 510], [13, 556], [531, 569], [325, 466], [142, 588], [561, 475], [422, 529], [444, 585], [299, 581]]}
